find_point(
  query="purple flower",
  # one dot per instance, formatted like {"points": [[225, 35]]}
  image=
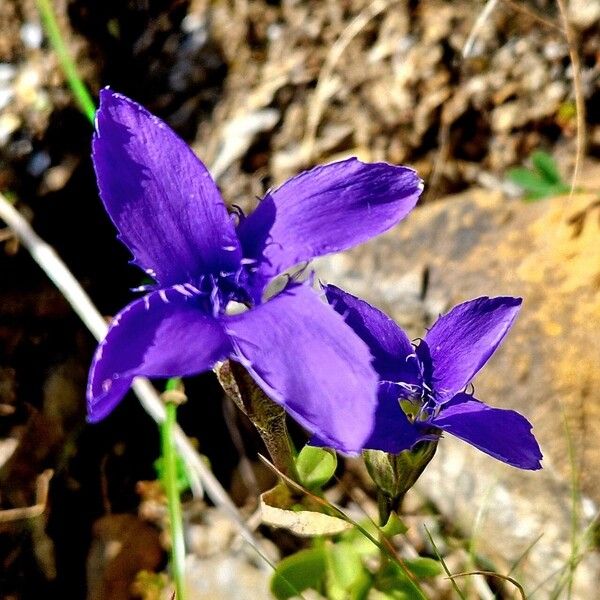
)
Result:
{"points": [[421, 389], [170, 215]]}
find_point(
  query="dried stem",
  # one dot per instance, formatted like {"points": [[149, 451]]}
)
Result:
{"points": [[579, 98], [483, 16], [532, 15], [45, 256], [30, 512], [318, 100]]}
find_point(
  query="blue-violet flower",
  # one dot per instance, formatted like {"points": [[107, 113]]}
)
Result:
{"points": [[170, 215], [422, 387]]}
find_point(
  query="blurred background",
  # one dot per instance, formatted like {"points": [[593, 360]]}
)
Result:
{"points": [[262, 89]]}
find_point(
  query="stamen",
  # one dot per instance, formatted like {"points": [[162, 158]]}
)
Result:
{"points": [[235, 308]]}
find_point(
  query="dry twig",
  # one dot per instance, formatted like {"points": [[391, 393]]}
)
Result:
{"points": [[319, 99], [533, 15], [41, 498], [579, 98], [45, 256], [484, 15]]}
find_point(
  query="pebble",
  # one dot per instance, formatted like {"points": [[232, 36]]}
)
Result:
{"points": [[38, 163], [7, 72], [584, 13], [27, 84], [6, 95], [9, 123], [32, 35]]}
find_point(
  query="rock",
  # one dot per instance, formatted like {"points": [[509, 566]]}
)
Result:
{"points": [[218, 566], [584, 13], [225, 576], [478, 243], [32, 35]]}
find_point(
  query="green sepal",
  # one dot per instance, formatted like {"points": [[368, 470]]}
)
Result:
{"points": [[394, 526]]}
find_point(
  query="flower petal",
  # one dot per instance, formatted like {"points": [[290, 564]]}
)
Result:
{"points": [[164, 334], [161, 198], [326, 209], [463, 340], [307, 359], [394, 355], [503, 434], [393, 432]]}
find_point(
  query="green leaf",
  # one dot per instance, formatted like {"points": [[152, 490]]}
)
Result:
{"points": [[394, 526], [544, 181], [344, 564], [363, 546], [347, 578], [298, 572], [546, 167], [398, 594], [393, 584], [315, 466], [361, 587], [531, 182], [423, 567]]}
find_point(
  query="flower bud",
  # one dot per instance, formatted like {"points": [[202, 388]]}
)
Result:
{"points": [[395, 474]]}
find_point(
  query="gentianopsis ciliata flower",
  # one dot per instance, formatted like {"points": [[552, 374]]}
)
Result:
{"points": [[169, 213], [422, 387]]}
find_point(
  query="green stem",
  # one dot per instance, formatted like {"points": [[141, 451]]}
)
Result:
{"points": [[86, 104], [169, 457]]}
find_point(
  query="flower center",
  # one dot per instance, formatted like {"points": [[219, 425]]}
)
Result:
{"points": [[222, 294], [416, 401]]}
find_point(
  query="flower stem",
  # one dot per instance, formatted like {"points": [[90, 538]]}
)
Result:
{"points": [[267, 416], [86, 104], [169, 458]]}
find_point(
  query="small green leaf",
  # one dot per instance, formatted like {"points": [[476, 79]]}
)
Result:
{"points": [[531, 182], [361, 587], [394, 526], [393, 584], [298, 572], [546, 167], [315, 466], [423, 567], [543, 181], [344, 566], [363, 546]]}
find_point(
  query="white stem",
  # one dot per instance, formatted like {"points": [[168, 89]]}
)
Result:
{"points": [[45, 256]]}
